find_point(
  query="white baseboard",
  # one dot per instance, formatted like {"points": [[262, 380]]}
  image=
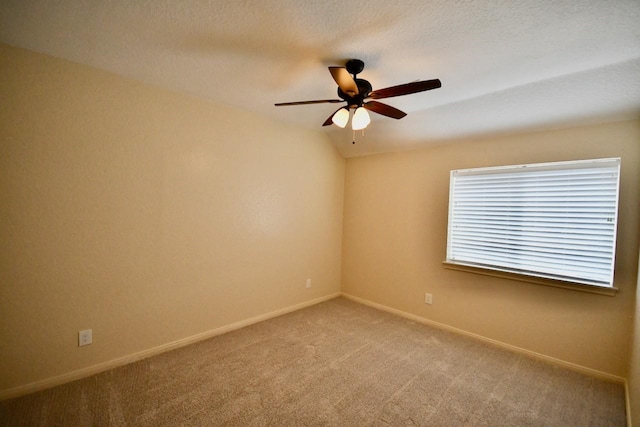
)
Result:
{"points": [[120, 361], [558, 362], [627, 399]]}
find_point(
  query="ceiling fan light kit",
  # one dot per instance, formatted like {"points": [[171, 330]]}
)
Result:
{"points": [[360, 119], [341, 117], [356, 93]]}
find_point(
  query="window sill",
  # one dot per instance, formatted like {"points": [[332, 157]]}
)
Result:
{"points": [[537, 280]]}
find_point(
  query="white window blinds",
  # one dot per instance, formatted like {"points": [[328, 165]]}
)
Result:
{"points": [[552, 220]]}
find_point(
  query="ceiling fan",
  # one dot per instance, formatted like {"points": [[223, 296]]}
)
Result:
{"points": [[355, 92]]}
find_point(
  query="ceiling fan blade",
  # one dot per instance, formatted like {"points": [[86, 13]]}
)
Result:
{"points": [[329, 121], [405, 89], [344, 80], [384, 109], [319, 101]]}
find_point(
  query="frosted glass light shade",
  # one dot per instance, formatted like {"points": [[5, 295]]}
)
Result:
{"points": [[341, 117], [360, 119]]}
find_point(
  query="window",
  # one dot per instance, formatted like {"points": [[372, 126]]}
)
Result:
{"points": [[548, 220]]}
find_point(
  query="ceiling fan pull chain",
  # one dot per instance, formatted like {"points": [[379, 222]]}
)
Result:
{"points": [[354, 137]]}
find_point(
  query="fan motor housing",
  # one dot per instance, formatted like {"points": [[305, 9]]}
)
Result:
{"points": [[364, 88]]}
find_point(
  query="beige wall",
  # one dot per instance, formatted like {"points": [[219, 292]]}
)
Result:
{"points": [[395, 233], [634, 362], [151, 216], [148, 216]]}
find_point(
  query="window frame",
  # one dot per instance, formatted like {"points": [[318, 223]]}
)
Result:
{"points": [[525, 172]]}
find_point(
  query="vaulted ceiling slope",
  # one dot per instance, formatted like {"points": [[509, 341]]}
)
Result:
{"points": [[505, 65]]}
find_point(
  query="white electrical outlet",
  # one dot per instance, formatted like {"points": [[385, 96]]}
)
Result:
{"points": [[308, 285], [428, 299], [85, 337]]}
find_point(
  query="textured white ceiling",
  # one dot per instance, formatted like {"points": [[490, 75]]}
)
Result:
{"points": [[505, 66]]}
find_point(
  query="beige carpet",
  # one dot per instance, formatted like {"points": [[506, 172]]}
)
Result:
{"points": [[337, 363]]}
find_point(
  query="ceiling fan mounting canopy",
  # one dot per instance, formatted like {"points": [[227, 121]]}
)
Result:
{"points": [[356, 92], [354, 66]]}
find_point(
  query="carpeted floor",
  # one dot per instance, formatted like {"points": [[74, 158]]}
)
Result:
{"points": [[338, 363]]}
